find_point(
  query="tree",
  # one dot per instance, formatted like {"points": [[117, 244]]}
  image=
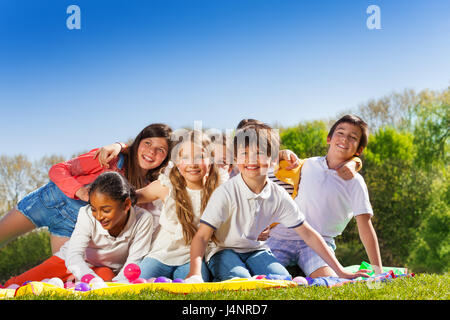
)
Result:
{"points": [[307, 139], [19, 176]]}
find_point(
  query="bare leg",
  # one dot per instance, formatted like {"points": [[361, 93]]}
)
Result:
{"points": [[12, 225], [56, 242], [323, 272]]}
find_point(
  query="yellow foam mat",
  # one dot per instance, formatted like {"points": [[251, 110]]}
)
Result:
{"points": [[38, 288]]}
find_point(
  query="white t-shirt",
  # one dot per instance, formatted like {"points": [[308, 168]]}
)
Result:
{"points": [[169, 246], [92, 246], [238, 215], [328, 201]]}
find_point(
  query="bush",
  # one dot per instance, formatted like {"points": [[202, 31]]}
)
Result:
{"points": [[24, 253], [307, 139], [431, 251]]}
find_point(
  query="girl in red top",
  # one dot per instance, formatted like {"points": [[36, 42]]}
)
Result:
{"points": [[56, 204]]}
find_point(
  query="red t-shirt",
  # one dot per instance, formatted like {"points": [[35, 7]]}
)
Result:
{"points": [[75, 173]]}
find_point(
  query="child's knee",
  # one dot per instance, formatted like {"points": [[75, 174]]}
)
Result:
{"points": [[234, 272]]}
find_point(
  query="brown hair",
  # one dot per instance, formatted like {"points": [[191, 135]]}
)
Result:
{"points": [[132, 171], [261, 134], [357, 121], [245, 122], [184, 207]]}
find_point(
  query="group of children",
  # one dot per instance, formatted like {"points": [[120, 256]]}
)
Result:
{"points": [[200, 218]]}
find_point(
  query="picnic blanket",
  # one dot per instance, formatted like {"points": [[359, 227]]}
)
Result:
{"points": [[37, 288]]}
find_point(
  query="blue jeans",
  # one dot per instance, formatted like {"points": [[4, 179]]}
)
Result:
{"points": [[49, 207], [227, 264], [153, 268]]}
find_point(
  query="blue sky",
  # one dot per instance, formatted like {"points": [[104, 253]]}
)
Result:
{"points": [[137, 62]]}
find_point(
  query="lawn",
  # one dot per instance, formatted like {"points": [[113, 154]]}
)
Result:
{"points": [[420, 287]]}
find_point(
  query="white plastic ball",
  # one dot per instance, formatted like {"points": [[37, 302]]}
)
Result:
{"points": [[56, 282]]}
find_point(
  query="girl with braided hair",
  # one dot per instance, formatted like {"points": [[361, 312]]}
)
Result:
{"points": [[185, 191]]}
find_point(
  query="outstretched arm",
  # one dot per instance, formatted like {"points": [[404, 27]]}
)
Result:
{"points": [[198, 247], [369, 239], [153, 191], [316, 242]]}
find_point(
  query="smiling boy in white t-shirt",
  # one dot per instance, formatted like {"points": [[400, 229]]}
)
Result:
{"points": [[330, 202], [242, 207]]}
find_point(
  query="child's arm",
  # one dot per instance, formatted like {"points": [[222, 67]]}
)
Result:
{"points": [[63, 174], [198, 247], [316, 242], [153, 191], [78, 243], [369, 239]]}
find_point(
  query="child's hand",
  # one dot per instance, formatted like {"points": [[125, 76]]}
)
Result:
{"points": [[107, 153], [347, 170], [71, 278], [83, 194], [290, 157], [351, 275], [196, 278], [265, 234]]}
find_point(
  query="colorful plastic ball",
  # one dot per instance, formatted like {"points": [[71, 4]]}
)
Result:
{"points": [[87, 278], [151, 280], [132, 272], [162, 280], [98, 283], [82, 286], [56, 282], [69, 285], [13, 286], [178, 280], [45, 280], [139, 280], [261, 276], [301, 281]]}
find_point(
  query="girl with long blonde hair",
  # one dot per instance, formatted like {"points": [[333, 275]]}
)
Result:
{"points": [[185, 191]]}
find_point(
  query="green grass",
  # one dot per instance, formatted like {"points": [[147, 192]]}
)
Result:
{"points": [[420, 287]]}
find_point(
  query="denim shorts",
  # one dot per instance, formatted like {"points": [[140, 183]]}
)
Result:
{"points": [[291, 252], [49, 207]]}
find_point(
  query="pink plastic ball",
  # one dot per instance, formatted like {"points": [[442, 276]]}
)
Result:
{"points": [[261, 276], [151, 280], [87, 278], [132, 272], [139, 280], [300, 281], [69, 285]]}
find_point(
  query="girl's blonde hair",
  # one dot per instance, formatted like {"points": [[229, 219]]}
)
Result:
{"points": [[184, 207]]}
